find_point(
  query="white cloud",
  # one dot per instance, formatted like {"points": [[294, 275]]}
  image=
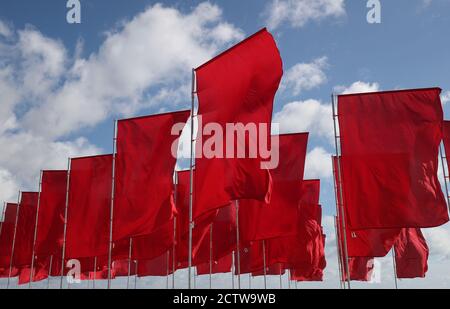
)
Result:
{"points": [[297, 13], [445, 97], [5, 29], [306, 116], [49, 93], [305, 76], [318, 164], [438, 240], [358, 87]]}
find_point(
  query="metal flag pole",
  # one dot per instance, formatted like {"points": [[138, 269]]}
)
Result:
{"points": [[338, 249], [289, 279], [264, 264], [232, 271], [250, 281], [3, 217], [65, 224], [238, 250], [111, 214], [338, 159], [446, 177], [191, 185], [210, 254], [35, 231], [167, 270], [281, 281], [14, 240], [95, 273], [49, 272], [174, 231], [129, 262], [136, 277], [395, 268]]}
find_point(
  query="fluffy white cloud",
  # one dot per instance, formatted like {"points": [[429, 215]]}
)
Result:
{"points": [[438, 240], [445, 97], [306, 116], [144, 63], [358, 87], [297, 13], [305, 76], [49, 93], [4, 29], [318, 164]]}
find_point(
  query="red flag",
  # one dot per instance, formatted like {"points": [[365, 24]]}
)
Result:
{"points": [[278, 218], [52, 202], [360, 268], [154, 245], [251, 257], [7, 235], [237, 87], [89, 207], [411, 254], [23, 247], [446, 140], [221, 266], [144, 168], [158, 267], [272, 270], [390, 145]]}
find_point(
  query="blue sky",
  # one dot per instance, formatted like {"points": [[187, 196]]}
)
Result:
{"points": [[124, 60]]}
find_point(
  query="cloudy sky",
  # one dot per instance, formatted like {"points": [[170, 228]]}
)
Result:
{"points": [[62, 85]]}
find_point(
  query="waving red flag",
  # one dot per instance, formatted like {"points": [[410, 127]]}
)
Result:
{"points": [[222, 266], [144, 168], [390, 146], [52, 202], [446, 140], [157, 267], [7, 235], [411, 254], [236, 88], [23, 248], [278, 218], [151, 246], [89, 207], [360, 268]]}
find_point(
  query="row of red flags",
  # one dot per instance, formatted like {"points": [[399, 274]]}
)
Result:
{"points": [[387, 179], [128, 205]]}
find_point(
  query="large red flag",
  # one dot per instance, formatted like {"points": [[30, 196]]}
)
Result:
{"points": [[88, 217], [7, 235], [52, 202], [390, 146], [221, 266], [144, 168], [360, 268], [278, 218], [446, 140], [236, 89], [411, 254], [151, 246], [159, 267], [23, 247]]}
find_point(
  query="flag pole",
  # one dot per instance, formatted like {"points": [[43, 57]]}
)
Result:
{"points": [[167, 269], [35, 230], [338, 249], [232, 271], [136, 277], [446, 177], [264, 264], [210, 254], [3, 217], [129, 262], [14, 240], [49, 271], [338, 159], [174, 231], [95, 273], [281, 281], [191, 185], [111, 214], [250, 281], [395, 268], [65, 223], [238, 253]]}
